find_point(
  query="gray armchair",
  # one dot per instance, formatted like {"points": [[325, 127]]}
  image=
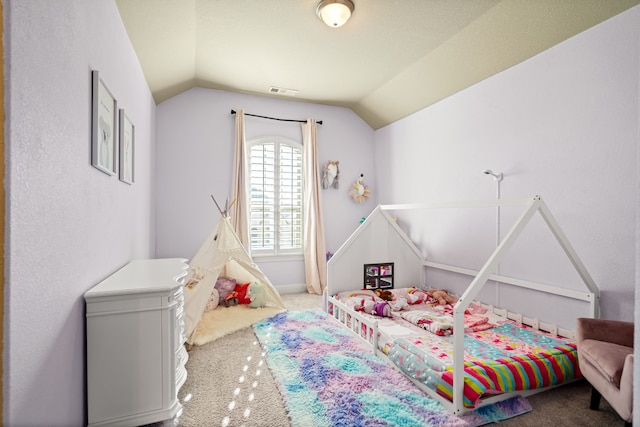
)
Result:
{"points": [[605, 354]]}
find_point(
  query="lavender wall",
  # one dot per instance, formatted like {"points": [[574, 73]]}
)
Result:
{"points": [[195, 160], [68, 224], [563, 125]]}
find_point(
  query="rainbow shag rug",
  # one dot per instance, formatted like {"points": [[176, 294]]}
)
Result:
{"points": [[329, 378]]}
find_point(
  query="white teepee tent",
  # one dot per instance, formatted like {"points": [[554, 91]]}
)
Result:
{"points": [[222, 254]]}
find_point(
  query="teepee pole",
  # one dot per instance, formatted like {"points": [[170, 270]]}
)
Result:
{"points": [[217, 205]]}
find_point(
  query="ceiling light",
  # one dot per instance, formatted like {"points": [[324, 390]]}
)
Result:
{"points": [[335, 13]]}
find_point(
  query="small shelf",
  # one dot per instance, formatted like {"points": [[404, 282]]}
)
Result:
{"points": [[378, 275]]}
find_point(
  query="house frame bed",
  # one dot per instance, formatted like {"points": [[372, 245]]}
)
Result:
{"points": [[411, 258]]}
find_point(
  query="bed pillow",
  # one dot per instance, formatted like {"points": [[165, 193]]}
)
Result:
{"points": [[357, 293], [224, 286], [241, 293]]}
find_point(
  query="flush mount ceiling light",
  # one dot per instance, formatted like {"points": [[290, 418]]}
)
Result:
{"points": [[335, 13]]}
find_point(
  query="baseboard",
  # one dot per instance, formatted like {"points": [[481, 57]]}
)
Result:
{"points": [[293, 288]]}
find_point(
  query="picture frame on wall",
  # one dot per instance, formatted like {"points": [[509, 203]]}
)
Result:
{"points": [[126, 149], [378, 275], [104, 119]]}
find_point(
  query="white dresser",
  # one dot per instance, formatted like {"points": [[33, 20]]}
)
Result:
{"points": [[135, 344]]}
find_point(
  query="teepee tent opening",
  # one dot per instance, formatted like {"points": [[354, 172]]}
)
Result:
{"points": [[222, 254]]}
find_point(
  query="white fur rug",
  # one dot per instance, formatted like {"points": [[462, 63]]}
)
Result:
{"points": [[226, 320]]}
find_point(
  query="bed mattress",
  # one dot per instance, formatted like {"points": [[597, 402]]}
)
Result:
{"points": [[500, 355]]}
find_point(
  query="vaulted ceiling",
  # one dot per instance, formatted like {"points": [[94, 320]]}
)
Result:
{"points": [[391, 59]]}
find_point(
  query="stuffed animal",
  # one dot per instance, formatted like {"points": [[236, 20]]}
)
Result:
{"points": [[257, 295], [331, 174], [231, 299], [214, 300], [384, 294], [398, 304], [241, 290], [441, 296], [382, 309], [225, 286], [416, 296]]}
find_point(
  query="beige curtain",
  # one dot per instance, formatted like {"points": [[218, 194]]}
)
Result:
{"points": [[315, 261], [239, 219]]}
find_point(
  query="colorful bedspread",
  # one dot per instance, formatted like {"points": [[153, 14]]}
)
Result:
{"points": [[503, 359], [499, 356]]}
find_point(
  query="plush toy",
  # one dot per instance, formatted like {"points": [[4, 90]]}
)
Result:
{"points": [[382, 309], [331, 174], [231, 299], [398, 304], [384, 294], [225, 285], [441, 296], [416, 296], [357, 302], [257, 295], [241, 291], [214, 300]]}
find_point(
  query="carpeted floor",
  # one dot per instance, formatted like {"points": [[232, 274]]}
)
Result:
{"points": [[228, 384], [329, 377], [227, 320]]}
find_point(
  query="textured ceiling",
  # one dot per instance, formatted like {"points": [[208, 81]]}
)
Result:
{"points": [[393, 57]]}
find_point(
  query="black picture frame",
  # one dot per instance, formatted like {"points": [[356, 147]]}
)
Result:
{"points": [[378, 275]]}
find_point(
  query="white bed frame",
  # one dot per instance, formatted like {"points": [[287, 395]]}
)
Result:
{"points": [[358, 323]]}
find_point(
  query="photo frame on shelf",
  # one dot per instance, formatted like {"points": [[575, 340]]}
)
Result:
{"points": [[126, 149], [104, 119]]}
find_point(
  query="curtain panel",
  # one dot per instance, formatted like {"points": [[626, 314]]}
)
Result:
{"points": [[315, 258], [239, 219]]}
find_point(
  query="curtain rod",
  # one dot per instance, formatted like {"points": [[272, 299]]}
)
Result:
{"points": [[274, 118]]}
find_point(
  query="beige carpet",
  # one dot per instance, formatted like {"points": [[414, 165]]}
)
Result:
{"points": [[229, 384]]}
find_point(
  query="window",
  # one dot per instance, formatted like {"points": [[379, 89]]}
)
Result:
{"points": [[275, 196]]}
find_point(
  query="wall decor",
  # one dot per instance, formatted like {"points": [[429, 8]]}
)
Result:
{"points": [[359, 191], [104, 116], [378, 276], [127, 145], [331, 173]]}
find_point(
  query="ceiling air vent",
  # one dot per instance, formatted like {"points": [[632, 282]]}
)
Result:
{"points": [[283, 91]]}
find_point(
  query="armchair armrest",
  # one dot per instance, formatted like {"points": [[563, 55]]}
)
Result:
{"points": [[626, 390], [613, 331], [626, 381]]}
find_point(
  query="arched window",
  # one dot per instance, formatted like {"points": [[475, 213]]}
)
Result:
{"points": [[275, 196]]}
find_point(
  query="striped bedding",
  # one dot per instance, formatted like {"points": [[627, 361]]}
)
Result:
{"points": [[500, 356], [506, 358]]}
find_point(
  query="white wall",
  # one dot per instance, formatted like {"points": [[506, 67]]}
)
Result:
{"points": [[563, 125], [195, 160], [68, 224]]}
